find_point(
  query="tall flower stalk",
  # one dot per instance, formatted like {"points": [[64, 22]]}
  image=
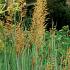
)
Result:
{"points": [[37, 32], [38, 28]]}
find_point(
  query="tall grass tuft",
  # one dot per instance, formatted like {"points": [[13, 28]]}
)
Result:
{"points": [[37, 34]]}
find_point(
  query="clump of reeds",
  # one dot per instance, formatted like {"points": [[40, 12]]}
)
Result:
{"points": [[38, 31], [19, 34], [20, 38]]}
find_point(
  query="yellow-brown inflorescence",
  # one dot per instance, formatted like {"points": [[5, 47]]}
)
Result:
{"points": [[9, 23], [19, 39], [38, 28], [10, 9], [22, 5]]}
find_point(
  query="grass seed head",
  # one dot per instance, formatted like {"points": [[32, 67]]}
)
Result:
{"points": [[38, 21], [19, 39]]}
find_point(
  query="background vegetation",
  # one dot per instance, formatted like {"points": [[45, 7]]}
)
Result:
{"points": [[25, 42]]}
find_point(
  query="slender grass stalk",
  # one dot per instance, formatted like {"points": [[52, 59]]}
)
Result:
{"points": [[54, 50]]}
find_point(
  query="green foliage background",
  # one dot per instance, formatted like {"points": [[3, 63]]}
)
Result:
{"points": [[53, 54]]}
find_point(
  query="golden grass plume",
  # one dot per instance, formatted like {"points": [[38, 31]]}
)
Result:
{"points": [[38, 28]]}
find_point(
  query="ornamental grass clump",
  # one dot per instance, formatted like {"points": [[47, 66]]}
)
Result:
{"points": [[16, 28], [37, 33], [20, 36]]}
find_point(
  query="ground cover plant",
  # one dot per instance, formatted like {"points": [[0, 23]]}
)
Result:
{"points": [[33, 47]]}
